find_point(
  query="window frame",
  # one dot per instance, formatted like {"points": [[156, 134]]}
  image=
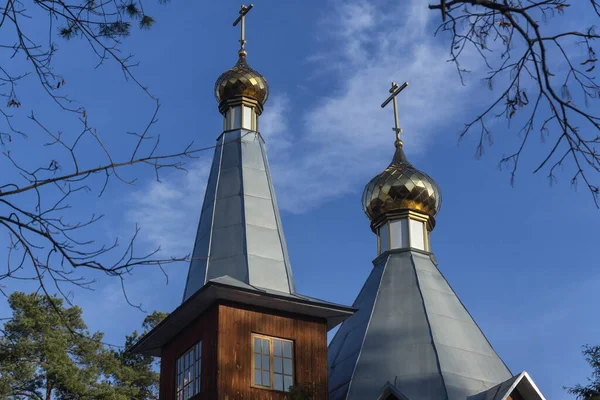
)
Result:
{"points": [[180, 370], [271, 362]]}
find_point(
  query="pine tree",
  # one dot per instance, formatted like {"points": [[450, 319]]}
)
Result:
{"points": [[138, 374], [592, 390], [47, 352]]}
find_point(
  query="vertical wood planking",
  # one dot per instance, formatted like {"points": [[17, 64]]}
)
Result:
{"points": [[237, 323], [203, 328], [227, 352]]}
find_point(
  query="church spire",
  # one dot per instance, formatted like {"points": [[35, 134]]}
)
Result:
{"points": [[240, 233], [241, 91], [412, 338], [402, 201]]}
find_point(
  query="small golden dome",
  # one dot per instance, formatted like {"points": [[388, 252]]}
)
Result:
{"points": [[241, 81], [401, 187]]}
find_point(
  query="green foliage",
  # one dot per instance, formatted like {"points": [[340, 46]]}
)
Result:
{"points": [[112, 25], [146, 22], [47, 352], [592, 390], [138, 373], [304, 391]]}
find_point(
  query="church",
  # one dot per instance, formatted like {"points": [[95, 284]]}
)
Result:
{"points": [[244, 332]]}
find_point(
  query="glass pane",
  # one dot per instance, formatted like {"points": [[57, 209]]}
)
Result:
{"points": [[399, 232], [197, 386], [278, 382], [257, 345], [257, 375], [265, 363], [265, 346], [287, 366], [277, 364], [287, 382], [199, 350], [277, 347], [287, 349], [417, 231], [266, 378], [257, 358], [179, 365]]}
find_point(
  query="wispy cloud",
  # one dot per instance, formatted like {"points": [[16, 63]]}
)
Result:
{"points": [[167, 212], [346, 136], [274, 125]]}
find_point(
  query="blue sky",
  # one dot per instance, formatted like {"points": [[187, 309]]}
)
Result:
{"points": [[522, 259]]}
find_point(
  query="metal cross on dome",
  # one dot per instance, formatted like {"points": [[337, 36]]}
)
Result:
{"points": [[242, 18], [395, 90]]}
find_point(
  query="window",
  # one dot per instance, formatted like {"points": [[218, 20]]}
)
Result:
{"points": [[188, 372], [273, 363]]}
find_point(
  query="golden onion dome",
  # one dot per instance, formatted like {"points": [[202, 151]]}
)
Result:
{"points": [[401, 187], [241, 81]]}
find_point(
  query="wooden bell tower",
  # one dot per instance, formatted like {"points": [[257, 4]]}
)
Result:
{"points": [[233, 341]]}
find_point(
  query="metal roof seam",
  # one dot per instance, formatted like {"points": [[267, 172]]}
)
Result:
{"points": [[470, 351], [367, 329], [475, 322], [212, 217], [437, 356], [283, 244]]}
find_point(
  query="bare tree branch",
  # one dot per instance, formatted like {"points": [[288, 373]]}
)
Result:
{"points": [[47, 241], [529, 60]]}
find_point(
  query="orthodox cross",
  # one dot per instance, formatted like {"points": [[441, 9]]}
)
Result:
{"points": [[242, 18], [395, 90]]}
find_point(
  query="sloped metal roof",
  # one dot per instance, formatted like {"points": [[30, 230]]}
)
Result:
{"points": [[240, 232], [411, 329], [226, 288], [521, 383]]}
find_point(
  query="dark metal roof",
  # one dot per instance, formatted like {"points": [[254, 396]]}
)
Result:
{"points": [[240, 231], [411, 329], [226, 288]]}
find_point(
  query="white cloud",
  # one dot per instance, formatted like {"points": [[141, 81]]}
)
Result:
{"points": [[273, 125], [346, 136], [168, 211]]}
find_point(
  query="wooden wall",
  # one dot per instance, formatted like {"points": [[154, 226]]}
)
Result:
{"points": [[226, 331], [236, 325], [515, 395], [204, 328]]}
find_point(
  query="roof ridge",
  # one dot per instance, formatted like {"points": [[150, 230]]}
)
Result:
{"points": [[367, 328], [474, 321], [433, 344]]}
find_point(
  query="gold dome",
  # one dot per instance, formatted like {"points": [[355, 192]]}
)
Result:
{"points": [[401, 187], [241, 81]]}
